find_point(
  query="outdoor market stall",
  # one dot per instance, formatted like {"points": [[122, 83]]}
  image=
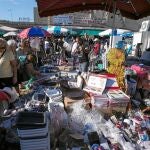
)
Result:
{"points": [[52, 107], [63, 109]]}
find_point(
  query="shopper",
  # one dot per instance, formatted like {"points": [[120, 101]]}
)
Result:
{"points": [[47, 46], [24, 48], [83, 56], [12, 45], [27, 70], [138, 51], [8, 66], [74, 51], [96, 48]]}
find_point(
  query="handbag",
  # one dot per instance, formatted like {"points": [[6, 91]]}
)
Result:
{"points": [[3, 54]]}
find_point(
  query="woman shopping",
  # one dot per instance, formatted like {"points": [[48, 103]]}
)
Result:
{"points": [[8, 67]]}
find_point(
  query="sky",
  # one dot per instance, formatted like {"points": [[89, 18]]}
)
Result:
{"points": [[17, 10]]}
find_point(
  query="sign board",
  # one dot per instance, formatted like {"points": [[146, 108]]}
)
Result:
{"points": [[90, 21], [24, 19], [62, 20], [145, 26]]}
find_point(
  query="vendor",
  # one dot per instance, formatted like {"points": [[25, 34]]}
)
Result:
{"points": [[29, 67], [8, 67]]}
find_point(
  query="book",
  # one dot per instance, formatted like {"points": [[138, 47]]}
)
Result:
{"points": [[117, 95]]}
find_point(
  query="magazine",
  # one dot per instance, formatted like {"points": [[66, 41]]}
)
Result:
{"points": [[117, 95], [96, 84]]}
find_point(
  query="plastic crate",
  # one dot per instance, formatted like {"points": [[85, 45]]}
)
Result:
{"points": [[33, 132], [35, 144], [31, 120]]}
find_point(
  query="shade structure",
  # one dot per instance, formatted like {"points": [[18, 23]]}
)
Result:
{"points": [[134, 9], [7, 29], [57, 30], [34, 32], [109, 32], [90, 32], [73, 32], [127, 34], [10, 34]]}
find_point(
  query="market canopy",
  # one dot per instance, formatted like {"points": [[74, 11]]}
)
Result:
{"points": [[5, 28], [134, 9], [115, 32], [57, 30], [12, 33]]}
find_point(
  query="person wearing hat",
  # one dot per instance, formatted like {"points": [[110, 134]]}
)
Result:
{"points": [[8, 67], [96, 47]]}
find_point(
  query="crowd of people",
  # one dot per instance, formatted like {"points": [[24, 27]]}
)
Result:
{"points": [[19, 59]]}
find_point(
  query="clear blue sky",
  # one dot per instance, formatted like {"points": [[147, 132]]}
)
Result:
{"points": [[15, 9]]}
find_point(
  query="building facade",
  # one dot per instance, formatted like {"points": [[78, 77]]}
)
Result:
{"points": [[38, 19], [92, 18]]}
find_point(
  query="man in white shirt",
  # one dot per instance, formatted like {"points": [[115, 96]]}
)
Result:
{"points": [[8, 68], [74, 51], [47, 46]]}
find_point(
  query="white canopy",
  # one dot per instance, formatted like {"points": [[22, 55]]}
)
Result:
{"points": [[10, 34], [57, 30], [109, 32], [5, 28]]}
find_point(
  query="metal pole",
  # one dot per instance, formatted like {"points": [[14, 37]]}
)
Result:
{"points": [[11, 15], [113, 23]]}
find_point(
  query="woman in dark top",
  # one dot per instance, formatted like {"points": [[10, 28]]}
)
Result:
{"points": [[83, 57]]}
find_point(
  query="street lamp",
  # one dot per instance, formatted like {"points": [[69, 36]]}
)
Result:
{"points": [[11, 15]]}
